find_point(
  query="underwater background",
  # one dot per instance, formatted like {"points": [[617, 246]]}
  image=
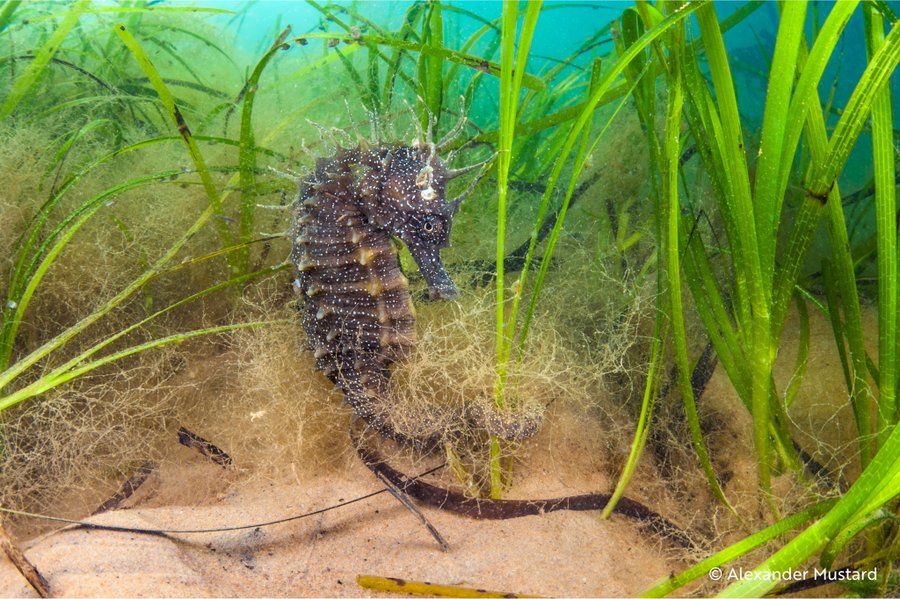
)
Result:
{"points": [[678, 255], [560, 32]]}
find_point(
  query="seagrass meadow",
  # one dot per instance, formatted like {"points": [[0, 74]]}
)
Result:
{"points": [[669, 297]]}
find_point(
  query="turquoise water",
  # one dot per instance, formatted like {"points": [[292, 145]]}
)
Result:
{"points": [[564, 26]]}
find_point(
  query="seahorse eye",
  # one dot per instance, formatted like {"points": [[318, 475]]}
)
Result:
{"points": [[430, 227]]}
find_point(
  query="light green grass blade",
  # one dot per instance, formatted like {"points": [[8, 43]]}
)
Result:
{"points": [[805, 112], [671, 215], [747, 265], [581, 155], [884, 162], [507, 117], [823, 185], [431, 66], [43, 385], [578, 126], [474, 62], [7, 11], [806, 95], [767, 197], [81, 364], [247, 151], [841, 539], [181, 125], [800, 364], [511, 60], [878, 484], [142, 9], [63, 234], [713, 311], [741, 548], [651, 389], [25, 81], [856, 113]]}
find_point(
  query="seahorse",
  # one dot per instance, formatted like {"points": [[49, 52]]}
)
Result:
{"points": [[358, 312]]}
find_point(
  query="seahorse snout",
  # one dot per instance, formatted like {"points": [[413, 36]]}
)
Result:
{"points": [[449, 292], [428, 259]]}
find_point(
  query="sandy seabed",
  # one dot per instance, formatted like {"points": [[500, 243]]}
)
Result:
{"points": [[556, 554]]}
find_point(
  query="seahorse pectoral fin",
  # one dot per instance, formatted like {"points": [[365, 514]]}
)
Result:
{"points": [[428, 259]]}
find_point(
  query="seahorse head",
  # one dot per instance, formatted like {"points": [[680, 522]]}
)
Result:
{"points": [[415, 186], [411, 205]]}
